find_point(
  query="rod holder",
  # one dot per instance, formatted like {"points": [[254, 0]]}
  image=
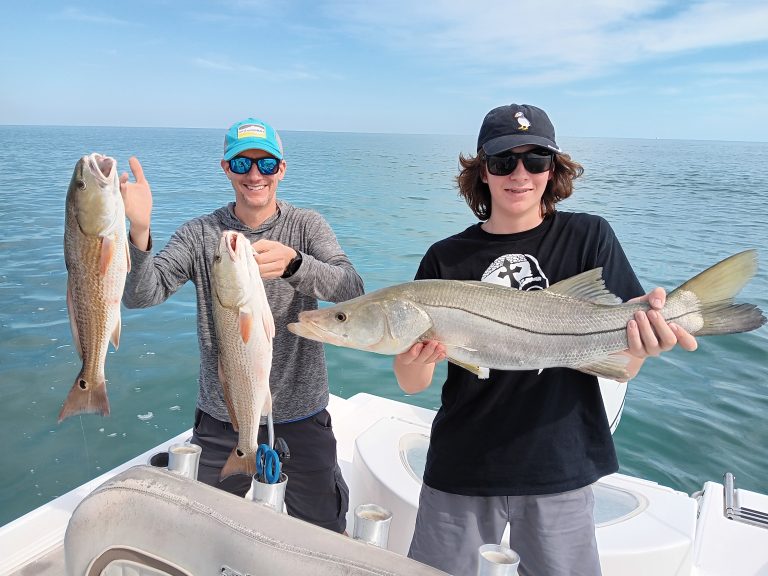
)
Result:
{"points": [[271, 495], [184, 459], [372, 524], [497, 560]]}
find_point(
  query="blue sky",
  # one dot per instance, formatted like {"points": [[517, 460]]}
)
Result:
{"points": [[631, 68]]}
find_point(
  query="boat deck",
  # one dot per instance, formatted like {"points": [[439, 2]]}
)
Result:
{"points": [[662, 532], [50, 564]]}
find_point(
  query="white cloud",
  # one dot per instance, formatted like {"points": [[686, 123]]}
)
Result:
{"points": [[228, 66], [213, 17], [78, 15], [741, 67], [731, 97], [554, 42], [704, 25], [610, 92]]}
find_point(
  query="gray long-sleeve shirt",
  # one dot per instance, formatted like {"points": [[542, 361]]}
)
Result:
{"points": [[298, 380]]}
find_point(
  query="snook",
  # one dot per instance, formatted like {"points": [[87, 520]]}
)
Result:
{"points": [[244, 330], [97, 260], [575, 323]]}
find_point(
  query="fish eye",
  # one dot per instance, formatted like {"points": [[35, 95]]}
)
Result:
{"points": [[80, 184], [217, 258], [341, 317]]}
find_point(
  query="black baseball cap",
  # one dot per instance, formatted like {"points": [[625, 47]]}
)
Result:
{"points": [[514, 125]]}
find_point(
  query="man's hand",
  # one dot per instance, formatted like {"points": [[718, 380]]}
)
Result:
{"points": [[272, 257], [137, 197]]}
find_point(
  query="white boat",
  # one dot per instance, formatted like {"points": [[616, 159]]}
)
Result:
{"points": [[151, 522]]}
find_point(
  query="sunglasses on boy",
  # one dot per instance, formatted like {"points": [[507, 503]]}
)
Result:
{"points": [[535, 161], [243, 165]]}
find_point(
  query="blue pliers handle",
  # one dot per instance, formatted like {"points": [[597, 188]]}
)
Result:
{"points": [[267, 464]]}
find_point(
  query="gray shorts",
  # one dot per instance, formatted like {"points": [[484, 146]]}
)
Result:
{"points": [[316, 491], [554, 534]]}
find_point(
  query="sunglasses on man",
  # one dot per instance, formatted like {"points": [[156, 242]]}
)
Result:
{"points": [[535, 161], [265, 166]]}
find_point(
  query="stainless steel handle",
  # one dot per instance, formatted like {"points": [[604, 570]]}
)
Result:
{"points": [[734, 512]]}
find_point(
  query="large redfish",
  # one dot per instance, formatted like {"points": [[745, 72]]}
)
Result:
{"points": [[244, 331], [96, 255]]}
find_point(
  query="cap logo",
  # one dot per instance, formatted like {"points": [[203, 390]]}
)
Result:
{"points": [[251, 131], [523, 121]]}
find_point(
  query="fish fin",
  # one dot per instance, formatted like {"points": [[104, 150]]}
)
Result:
{"points": [[588, 286], [269, 323], [267, 403], [227, 397], [245, 321], [267, 319], [128, 257], [107, 254], [431, 335], [72, 323], [115, 337], [467, 348], [715, 289], [480, 371], [730, 319], [85, 398], [613, 367], [238, 463]]}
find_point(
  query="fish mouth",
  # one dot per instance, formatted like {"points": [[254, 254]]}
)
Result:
{"points": [[230, 237], [311, 331], [101, 166]]}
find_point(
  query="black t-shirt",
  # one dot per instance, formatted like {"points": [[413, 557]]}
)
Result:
{"points": [[524, 432]]}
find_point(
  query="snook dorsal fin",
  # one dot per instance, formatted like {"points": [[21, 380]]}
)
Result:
{"points": [[588, 286]]}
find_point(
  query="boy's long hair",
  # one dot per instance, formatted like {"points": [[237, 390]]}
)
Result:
{"points": [[478, 195]]}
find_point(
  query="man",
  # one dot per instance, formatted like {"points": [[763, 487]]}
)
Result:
{"points": [[301, 262]]}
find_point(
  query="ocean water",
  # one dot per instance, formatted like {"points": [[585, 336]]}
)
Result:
{"points": [[677, 207]]}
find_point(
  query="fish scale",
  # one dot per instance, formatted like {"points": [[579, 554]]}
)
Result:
{"points": [[533, 333], [96, 301]]}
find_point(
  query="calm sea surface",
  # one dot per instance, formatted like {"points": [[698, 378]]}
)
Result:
{"points": [[677, 207]]}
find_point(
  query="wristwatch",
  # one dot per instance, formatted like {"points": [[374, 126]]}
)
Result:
{"points": [[293, 265]]}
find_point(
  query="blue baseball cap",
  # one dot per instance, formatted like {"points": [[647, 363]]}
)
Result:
{"points": [[252, 134]]}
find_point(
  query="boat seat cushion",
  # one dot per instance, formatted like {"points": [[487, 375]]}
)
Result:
{"points": [[131, 568], [201, 530]]}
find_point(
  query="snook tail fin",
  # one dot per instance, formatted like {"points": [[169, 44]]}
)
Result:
{"points": [[715, 289]]}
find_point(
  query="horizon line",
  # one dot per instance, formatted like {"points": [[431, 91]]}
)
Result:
{"points": [[4, 125]]}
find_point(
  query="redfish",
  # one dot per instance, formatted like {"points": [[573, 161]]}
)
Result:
{"points": [[97, 260]]}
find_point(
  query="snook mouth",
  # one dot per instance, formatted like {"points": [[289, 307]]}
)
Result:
{"points": [[311, 331]]}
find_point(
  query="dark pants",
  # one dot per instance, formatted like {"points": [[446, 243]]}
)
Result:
{"points": [[316, 491]]}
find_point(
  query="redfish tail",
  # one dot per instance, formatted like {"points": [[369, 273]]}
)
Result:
{"points": [[85, 397], [238, 463]]}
